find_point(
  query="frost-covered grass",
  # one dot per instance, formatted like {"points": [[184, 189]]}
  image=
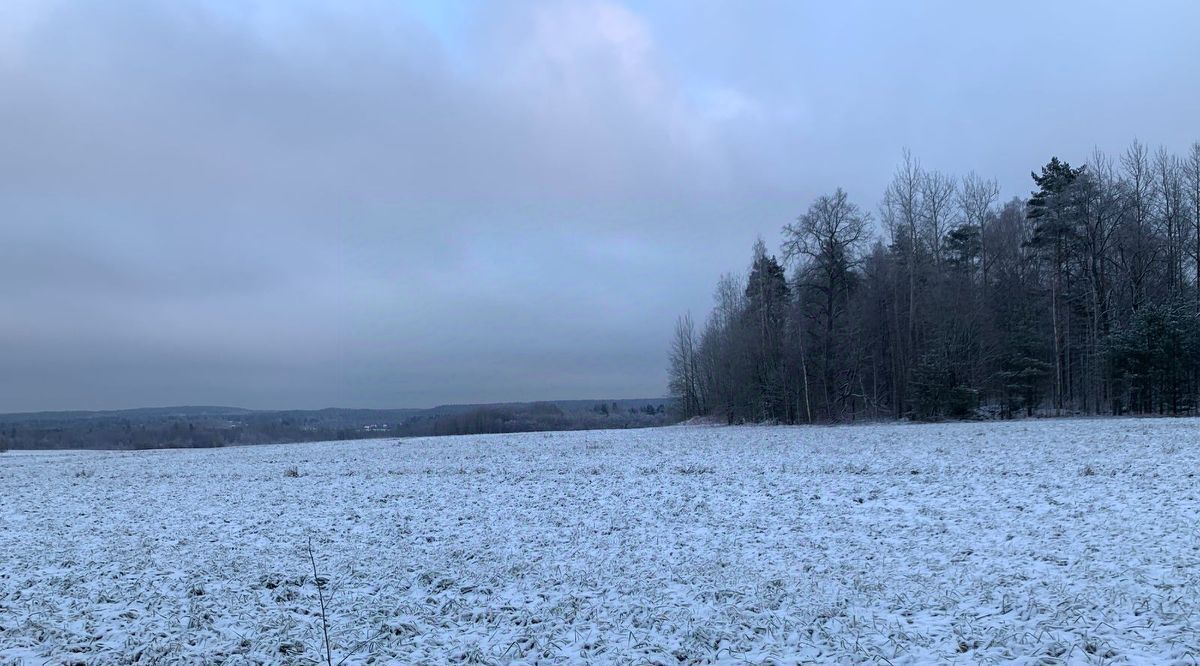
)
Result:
{"points": [[1036, 542]]}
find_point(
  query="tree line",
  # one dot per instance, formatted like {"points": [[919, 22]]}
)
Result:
{"points": [[534, 417], [1082, 298], [201, 427], [171, 432]]}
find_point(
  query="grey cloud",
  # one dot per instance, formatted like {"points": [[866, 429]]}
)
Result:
{"points": [[307, 204]]}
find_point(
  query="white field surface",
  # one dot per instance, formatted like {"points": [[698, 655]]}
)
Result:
{"points": [[1031, 542]]}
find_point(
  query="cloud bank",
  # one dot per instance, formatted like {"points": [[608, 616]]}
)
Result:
{"points": [[304, 204]]}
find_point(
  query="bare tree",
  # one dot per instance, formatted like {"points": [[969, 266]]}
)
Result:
{"points": [[828, 241], [1191, 171], [1136, 251], [901, 214], [937, 199], [1170, 200], [685, 373], [976, 200]]}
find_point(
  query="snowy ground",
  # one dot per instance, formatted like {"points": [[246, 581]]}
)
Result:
{"points": [[1035, 542]]}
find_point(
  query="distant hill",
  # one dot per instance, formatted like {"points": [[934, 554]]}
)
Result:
{"points": [[212, 426]]}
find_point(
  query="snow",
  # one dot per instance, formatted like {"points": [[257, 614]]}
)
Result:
{"points": [[1072, 541]]}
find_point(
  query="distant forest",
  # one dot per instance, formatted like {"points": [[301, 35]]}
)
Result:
{"points": [[1082, 298], [202, 427]]}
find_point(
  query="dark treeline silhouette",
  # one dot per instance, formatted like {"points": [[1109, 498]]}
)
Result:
{"points": [[202, 427], [1083, 298], [540, 416], [155, 429]]}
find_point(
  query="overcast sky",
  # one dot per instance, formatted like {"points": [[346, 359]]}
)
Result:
{"points": [[384, 204]]}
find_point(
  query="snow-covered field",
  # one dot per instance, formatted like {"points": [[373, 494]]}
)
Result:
{"points": [[1035, 542]]}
